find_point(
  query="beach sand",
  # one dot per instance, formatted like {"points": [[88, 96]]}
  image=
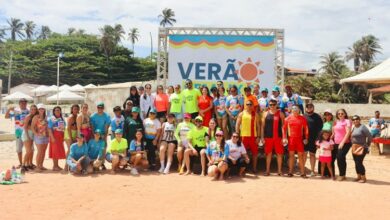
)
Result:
{"points": [[52, 195]]}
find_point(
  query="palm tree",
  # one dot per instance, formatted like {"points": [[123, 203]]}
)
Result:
{"points": [[45, 32], [355, 53], [71, 31], [2, 35], [29, 27], [16, 28], [133, 37], [369, 47], [107, 44], [118, 33], [167, 17], [332, 64]]}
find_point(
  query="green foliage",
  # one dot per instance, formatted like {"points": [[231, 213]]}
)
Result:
{"points": [[83, 62]]}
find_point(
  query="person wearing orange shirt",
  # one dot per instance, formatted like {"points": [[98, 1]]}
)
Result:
{"points": [[249, 96], [161, 102]]}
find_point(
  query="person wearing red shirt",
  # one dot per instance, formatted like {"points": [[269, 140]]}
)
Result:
{"points": [[205, 104], [295, 126]]}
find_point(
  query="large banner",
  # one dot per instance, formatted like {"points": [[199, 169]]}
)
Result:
{"points": [[205, 59]]}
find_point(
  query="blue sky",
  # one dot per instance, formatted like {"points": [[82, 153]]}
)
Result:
{"points": [[311, 27]]}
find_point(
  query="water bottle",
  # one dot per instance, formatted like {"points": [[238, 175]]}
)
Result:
{"points": [[14, 175]]}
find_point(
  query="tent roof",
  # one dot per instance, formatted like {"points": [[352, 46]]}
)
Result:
{"points": [[77, 88], [382, 89], [16, 96], [40, 88], [64, 87], [377, 75], [90, 86], [65, 96], [52, 88]]}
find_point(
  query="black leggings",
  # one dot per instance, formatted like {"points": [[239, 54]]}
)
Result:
{"points": [[360, 169], [341, 158], [151, 149]]}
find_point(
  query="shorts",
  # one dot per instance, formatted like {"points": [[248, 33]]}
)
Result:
{"points": [[239, 163], [41, 139], [198, 149], [178, 115], [109, 157], [73, 133], [250, 144], [273, 143], [295, 144], [171, 142], [325, 159], [161, 114], [194, 115], [30, 135], [19, 145], [311, 147]]}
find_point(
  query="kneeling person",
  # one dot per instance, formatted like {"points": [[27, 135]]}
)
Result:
{"points": [[137, 153], [96, 147], [78, 160], [116, 153]]}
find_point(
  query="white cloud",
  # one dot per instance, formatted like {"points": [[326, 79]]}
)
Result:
{"points": [[316, 27]]}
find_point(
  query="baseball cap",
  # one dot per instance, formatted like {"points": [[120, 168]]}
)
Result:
{"points": [[118, 131], [188, 81], [22, 100], [276, 89], [135, 109], [100, 104], [198, 118], [98, 131], [264, 90], [153, 111], [219, 132], [328, 111], [187, 115], [171, 115], [355, 117], [40, 105]]}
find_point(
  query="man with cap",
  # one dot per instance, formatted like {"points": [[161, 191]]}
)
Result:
{"points": [[96, 148], [276, 95], [314, 122], [20, 114], [181, 132], [197, 143], [190, 99], [250, 97], [117, 151], [263, 100], [152, 134], [289, 100], [101, 120], [132, 124]]}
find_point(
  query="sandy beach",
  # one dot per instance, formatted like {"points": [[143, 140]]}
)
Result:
{"points": [[153, 196]]}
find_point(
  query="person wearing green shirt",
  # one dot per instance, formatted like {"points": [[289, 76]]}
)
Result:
{"points": [[328, 120], [190, 99], [181, 132], [132, 124], [117, 151], [175, 103], [197, 142]]}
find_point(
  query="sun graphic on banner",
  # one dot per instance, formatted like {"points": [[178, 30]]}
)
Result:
{"points": [[249, 71]]}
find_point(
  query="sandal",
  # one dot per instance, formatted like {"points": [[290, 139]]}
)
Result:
{"points": [[290, 175], [266, 174], [19, 166], [280, 174]]}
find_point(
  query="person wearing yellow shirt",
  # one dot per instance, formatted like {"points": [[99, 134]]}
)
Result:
{"points": [[117, 151]]}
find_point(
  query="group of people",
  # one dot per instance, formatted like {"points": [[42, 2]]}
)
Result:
{"points": [[217, 128]]}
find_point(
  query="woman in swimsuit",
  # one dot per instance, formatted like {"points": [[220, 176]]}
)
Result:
{"points": [[71, 129], [83, 123], [28, 139], [41, 139]]}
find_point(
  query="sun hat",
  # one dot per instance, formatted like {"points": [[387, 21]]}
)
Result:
{"points": [[40, 105]]}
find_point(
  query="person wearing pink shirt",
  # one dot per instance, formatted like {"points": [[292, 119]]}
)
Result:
{"points": [[161, 102]]}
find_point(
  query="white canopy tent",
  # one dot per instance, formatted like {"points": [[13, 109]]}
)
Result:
{"points": [[77, 88], [65, 96], [39, 89], [90, 86], [64, 87], [377, 75], [16, 96], [52, 88]]}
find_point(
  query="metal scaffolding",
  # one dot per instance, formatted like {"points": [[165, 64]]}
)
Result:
{"points": [[163, 34]]}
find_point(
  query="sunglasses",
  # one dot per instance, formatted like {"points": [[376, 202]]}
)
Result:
{"points": [[100, 107], [198, 121], [272, 104], [234, 136], [147, 88], [248, 104], [218, 135]]}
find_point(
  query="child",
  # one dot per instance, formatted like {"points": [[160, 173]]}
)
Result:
{"points": [[117, 121], [137, 152], [325, 144]]}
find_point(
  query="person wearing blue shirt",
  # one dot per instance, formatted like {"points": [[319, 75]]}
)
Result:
{"points": [[96, 147], [276, 95], [234, 105], [137, 152], [78, 160], [289, 100], [263, 100], [117, 121], [376, 124], [217, 154]]}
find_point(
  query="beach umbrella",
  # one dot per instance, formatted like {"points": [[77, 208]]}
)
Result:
{"points": [[41, 88], [90, 86], [64, 87], [16, 96], [77, 88], [52, 88], [65, 96]]}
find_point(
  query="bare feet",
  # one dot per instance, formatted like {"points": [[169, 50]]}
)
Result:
{"points": [[188, 172], [57, 168], [112, 172]]}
